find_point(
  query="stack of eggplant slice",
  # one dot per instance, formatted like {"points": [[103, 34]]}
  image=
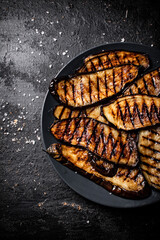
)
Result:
{"points": [[107, 122]]}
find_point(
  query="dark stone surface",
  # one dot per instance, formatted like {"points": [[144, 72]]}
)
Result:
{"points": [[37, 39]]}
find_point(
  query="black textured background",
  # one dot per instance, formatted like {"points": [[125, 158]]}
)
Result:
{"points": [[37, 38]]}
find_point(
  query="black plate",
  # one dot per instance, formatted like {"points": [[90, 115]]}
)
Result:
{"points": [[78, 183]]}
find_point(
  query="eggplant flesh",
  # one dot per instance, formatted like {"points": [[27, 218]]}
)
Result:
{"points": [[100, 139], [149, 148], [148, 84], [133, 112], [110, 59], [61, 112], [125, 182], [87, 89]]}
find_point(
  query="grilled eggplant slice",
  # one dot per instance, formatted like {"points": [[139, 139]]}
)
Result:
{"points": [[133, 112], [128, 183], [149, 84], [61, 112], [86, 89], [100, 139], [149, 148], [110, 59]]}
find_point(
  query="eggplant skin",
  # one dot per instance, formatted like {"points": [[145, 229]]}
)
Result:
{"points": [[110, 59], [126, 182], [100, 139], [61, 112], [149, 148], [148, 84], [133, 112], [87, 89]]}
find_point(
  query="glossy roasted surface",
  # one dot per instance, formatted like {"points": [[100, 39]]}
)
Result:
{"points": [[101, 139], [133, 112], [125, 182], [110, 59], [149, 148], [148, 84], [86, 89], [61, 112]]}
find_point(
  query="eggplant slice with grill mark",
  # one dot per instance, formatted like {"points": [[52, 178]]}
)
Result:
{"points": [[133, 112], [61, 112], [100, 139], [149, 148], [87, 89], [125, 182], [110, 59], [148, 84]]}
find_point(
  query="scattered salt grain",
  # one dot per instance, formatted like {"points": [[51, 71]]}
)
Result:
{"points": [[51, 23], [54, 39], [122, 40], [60, 33], [151, 45], [50, 66], [42, 32], [47, 12], [37, 30], [87, 221]]}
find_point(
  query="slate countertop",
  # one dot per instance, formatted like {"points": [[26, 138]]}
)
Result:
{"points": [[37, 39]]}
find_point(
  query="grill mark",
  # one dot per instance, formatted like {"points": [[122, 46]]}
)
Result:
{"points": [[114, 147], [121, 114], [85, 129], [79, 114], [66, 127], [109, 60], [156, 184], [139, 90], [81, 86], [149, 173], [98, 86], [155, 109], [106, 142], [97, 142], [94, 128], [114, 87], [130, 115], [150, 166], [135, 176], [152, 149], [152, 140], [123, 147], [145, 107], [62, 111], [90, 90], [130, 90], [93, 67], [152, 131], [145, 85], [121, 154], [100, 62], [116, 56], [106, 85], [137, 58], [153, 82], [152, 158], [76, 127], [137, 109], [70, 114]]}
